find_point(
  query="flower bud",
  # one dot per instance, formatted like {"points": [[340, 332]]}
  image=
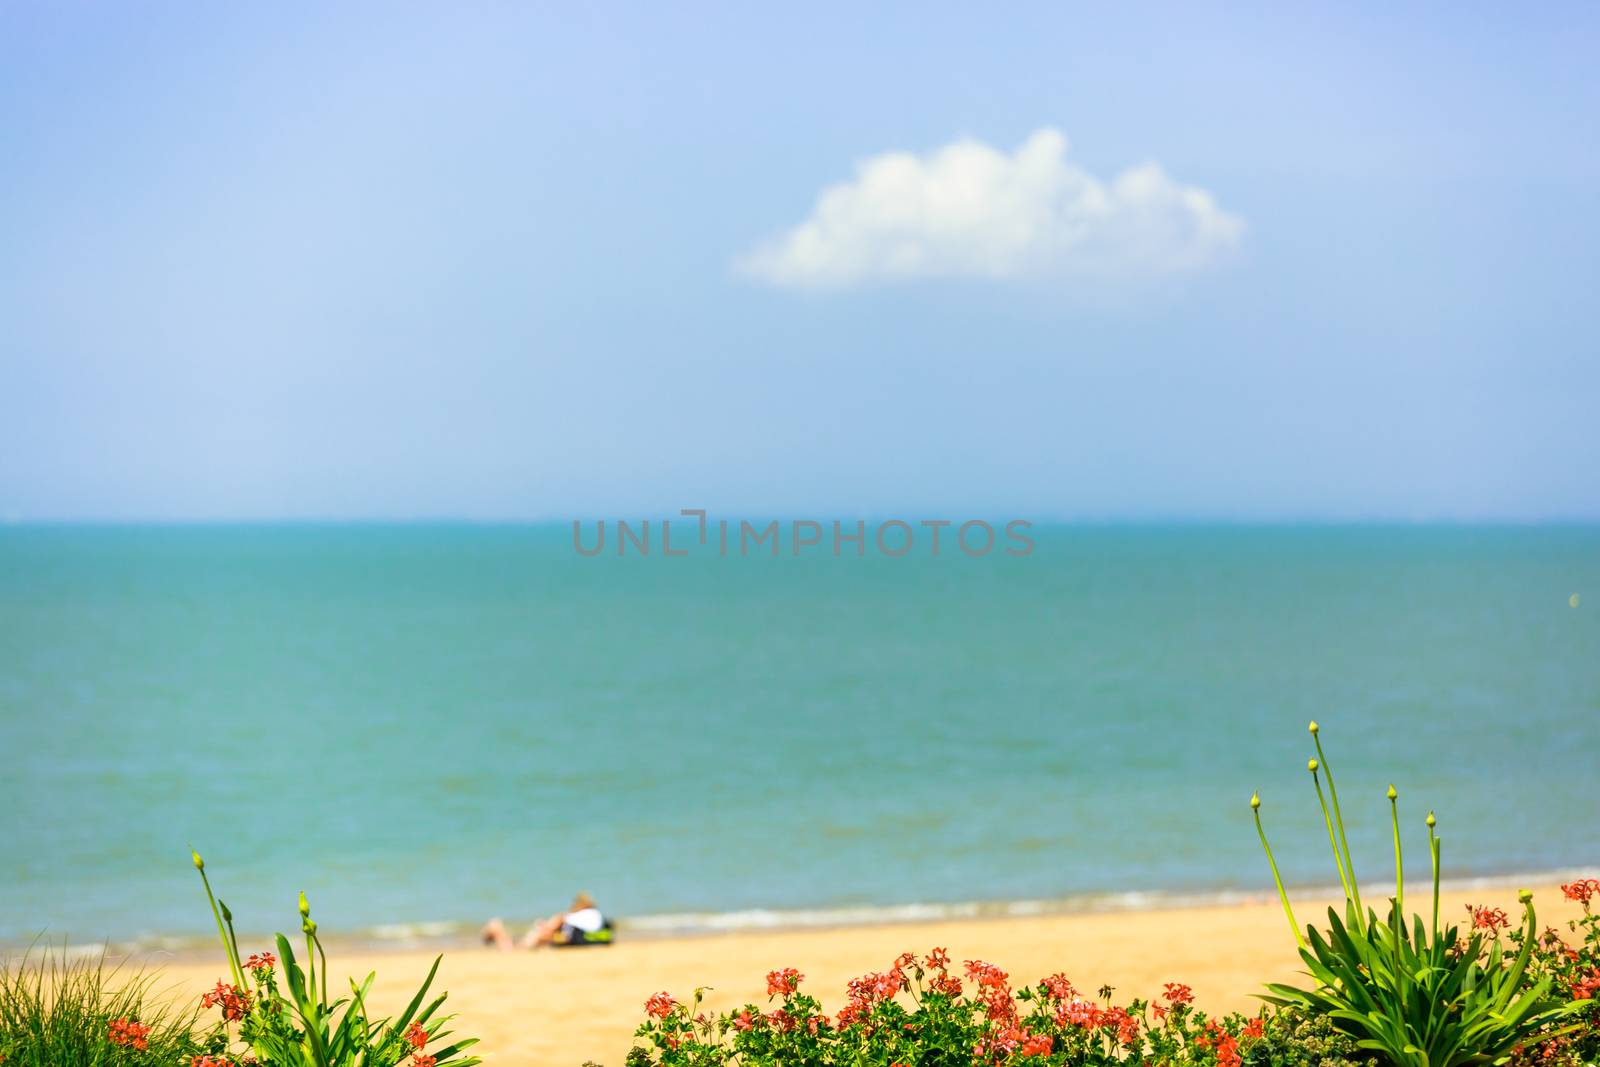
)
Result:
{"points": [[305, 906], [1255, 801], [1524, 895], [1432, 822], [227, 916], [308, 925], [1313, 727], [1311, 765], [1392, 793], [199, 864]]}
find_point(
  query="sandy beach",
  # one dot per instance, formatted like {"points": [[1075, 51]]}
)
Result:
{"points": [[567, 1007]]}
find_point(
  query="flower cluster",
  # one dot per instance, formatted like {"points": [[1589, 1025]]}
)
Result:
{"points": [[1491, 919], [1583, 890], [1224, 1044], [235, 1002], [417, 1038], [262, 1027], [785, 981], [131, 1033], [917, 1011], [1574, 969]]}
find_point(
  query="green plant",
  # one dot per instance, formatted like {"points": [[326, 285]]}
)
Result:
{"points": [[306, 1028], [923, 1011], [1420, 995], [60, 1012], [1574, 967], [1293, 1037]]}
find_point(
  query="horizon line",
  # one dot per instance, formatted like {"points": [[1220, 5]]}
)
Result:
{"points": [[1056, 520]]}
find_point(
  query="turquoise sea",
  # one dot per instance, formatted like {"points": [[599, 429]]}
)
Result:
{"points": [[422, 726]]}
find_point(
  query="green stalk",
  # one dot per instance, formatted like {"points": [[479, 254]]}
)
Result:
{"points": [[1333, 792], [1433, 849], [361, 1006], [1399, 866], [1283, 897], [233, 938], [324, 957], [1327, 820], [310, 929], [227, 946]]}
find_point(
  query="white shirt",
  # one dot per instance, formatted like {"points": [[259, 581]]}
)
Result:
{"points": [[588, 920]]}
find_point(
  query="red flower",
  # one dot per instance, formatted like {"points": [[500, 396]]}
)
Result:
{"points": [[1228, 1052], [1057, 987], [1035, 1045], [419, 1059], [416, 1036], [1225, 1044], [660, 1005], [744, 1020], [1254, 1029], [1078, 1012], [987, 974], [1583, 890], [1587, 987], [994, 990], [938, 959], [784, 981], [210, 1061], [129, 1032], [1127, 1025], [1492, 919], [260, 961], [235, 1002], [1178, 993]]}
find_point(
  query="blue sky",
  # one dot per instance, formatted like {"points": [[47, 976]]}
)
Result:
{"points": [[492, 262]]}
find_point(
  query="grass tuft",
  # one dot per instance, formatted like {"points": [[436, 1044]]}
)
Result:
{"points": [[57, 1011]]}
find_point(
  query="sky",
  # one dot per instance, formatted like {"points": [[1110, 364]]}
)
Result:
{"points": [[503, 262]]}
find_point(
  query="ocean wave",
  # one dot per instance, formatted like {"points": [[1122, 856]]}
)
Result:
{"points": [[762, 919], [440, 934]]}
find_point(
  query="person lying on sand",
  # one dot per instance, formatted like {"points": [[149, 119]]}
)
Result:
{"points": [[582, 924]]}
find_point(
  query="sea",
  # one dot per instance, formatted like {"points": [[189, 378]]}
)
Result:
{"points": [[424, 725]]}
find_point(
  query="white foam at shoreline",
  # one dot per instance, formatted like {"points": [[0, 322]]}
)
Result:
{"points": [[451, 933]]}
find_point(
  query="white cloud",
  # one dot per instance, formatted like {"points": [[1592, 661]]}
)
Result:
{"points": [[970, 211]]}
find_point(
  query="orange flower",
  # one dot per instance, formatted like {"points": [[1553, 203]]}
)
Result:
{"points": [[1036, 1045], [129, 1032], [660, 1005], [1583, 891], [235, 1002], [1057, 987], [1588, 987], [785, 981]]}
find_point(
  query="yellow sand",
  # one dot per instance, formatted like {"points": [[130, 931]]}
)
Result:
{"points": [[564, 1007]]}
